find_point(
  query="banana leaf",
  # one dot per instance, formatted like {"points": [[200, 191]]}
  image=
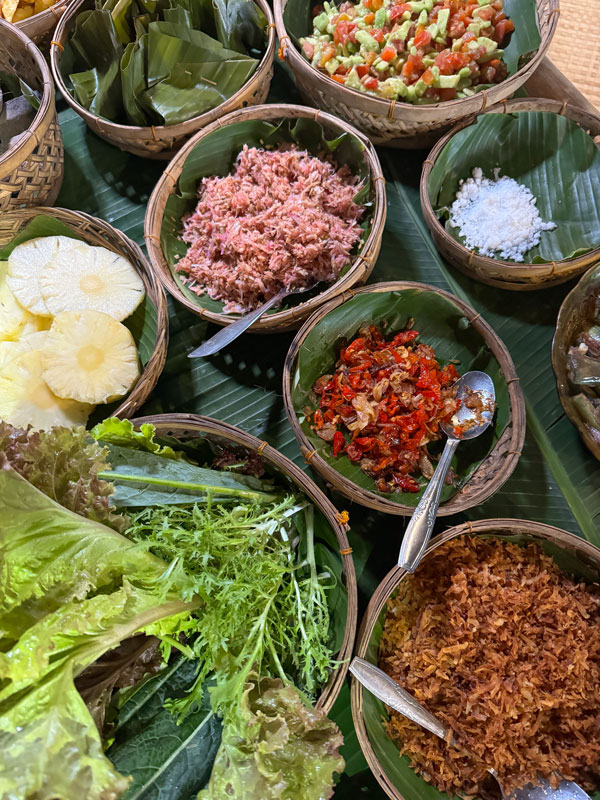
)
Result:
{"points": [[441, 325], [523, 43], [396, 767], [216, 155], [550, 155], [143, 63]]}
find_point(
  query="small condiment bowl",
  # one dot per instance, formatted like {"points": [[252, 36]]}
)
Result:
{"points": [[393, 772], [516, 276], [219, 136], [457, 332]]}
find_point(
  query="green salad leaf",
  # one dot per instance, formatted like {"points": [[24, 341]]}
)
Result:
{"points": [[121, 432], [549, 154], [442, 325], [147, 63], [279, 748], [216, 155]]}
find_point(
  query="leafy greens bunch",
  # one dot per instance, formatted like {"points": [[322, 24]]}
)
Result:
{"points": [[216, 564], [161, 62]]}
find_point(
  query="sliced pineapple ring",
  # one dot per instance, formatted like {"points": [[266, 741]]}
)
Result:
{"points": [[95, 278], [8, 352], [25, 398], [26, 262], [90, 357], [15, 321]]}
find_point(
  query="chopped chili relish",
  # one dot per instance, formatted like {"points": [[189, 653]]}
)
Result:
{"points": [[384, 404], [424, 51]]}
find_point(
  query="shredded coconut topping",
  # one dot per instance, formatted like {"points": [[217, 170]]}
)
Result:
{"points": [[283, 219], [498, 216]]}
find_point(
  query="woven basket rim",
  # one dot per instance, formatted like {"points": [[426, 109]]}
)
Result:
{"points": [[81, 223], [559, 367], [155, 131], [396, 109], [362, 264], [51, 15], [200, 424], [476, 264], [502, 526], [20, 152], [461, 500]]}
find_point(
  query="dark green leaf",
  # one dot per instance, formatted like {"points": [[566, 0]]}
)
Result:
{"points": [[539, 150]]}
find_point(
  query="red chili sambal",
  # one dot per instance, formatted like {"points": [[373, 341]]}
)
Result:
{"points": [[384, 404]]}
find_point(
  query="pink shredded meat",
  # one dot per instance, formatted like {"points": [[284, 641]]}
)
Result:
{"points": [[282, 219]]}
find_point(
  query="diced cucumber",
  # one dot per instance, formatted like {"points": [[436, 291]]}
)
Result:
{"points": [[416, 6], [393, 87], [422, 18], [447, 81], [332, 65], [465, 72], [380, 18], [433, 30], [381, 65], [420, 87], [403, 30], [490, 45], [321, 21], [367, 41], [442, 21], [352, 79], [413, 51]]}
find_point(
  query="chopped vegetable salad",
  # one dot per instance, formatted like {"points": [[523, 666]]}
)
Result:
{"points": [[418, 52]]}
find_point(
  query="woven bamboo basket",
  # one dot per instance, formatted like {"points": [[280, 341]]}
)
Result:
{"points": [[495, 272], [577, 549], [291, 318], [98, 233], [191, 426], [493, 471], [40, 27], [570, 322], [31, 172], [162, 141], [394, 123]]}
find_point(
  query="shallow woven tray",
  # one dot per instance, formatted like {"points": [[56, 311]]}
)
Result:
{"points": [[582, 550], [192, 426], [162, 141], [98, 233], [31, 172], [292, 318], [493, 471], [495, 272], [40, 27], [399, 124]]}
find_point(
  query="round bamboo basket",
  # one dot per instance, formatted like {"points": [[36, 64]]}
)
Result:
{"points": [[493, 471], [98, 233], [162, 141], [289, 319], [40, 27], [31, 172], [586, 554], [192, 426], [570, 322], [394, 123], [495, 272]]}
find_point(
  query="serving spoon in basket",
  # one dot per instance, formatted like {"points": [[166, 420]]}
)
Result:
{"points": [[467, 423], [231, 332], [393, 695]]}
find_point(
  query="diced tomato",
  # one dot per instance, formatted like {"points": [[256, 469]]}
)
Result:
{"points": [[370, 58], [485, 13], [338, 443], [468, 37], [371, 83], [388, 53], [362, 70], [369, 18], [428, 77], [376, 4], [377, 34], [502, 29], [308, 50], [447, 94], [398, 11], [345, 32], [367, 3], [411, 68], [423, 38], [487, 74], [327, 55]]}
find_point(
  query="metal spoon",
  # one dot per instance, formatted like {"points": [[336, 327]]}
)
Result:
{"points": [[465, 424], [227, 335], [392, 694]]}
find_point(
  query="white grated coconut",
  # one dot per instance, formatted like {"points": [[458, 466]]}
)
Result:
{"points": [[498, 216]]}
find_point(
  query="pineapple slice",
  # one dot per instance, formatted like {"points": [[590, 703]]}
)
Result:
{"points": [[15, 320], [90, 357], [98, 279], [33, 340], [8, 352], [25, 398], [26, 262]]}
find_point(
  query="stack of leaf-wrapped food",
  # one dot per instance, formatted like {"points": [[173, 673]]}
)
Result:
{"points": [[149, 62]]}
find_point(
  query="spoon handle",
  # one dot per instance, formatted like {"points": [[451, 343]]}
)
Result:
{"points": [[418, 532], [226, 335], [393, 695]]}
